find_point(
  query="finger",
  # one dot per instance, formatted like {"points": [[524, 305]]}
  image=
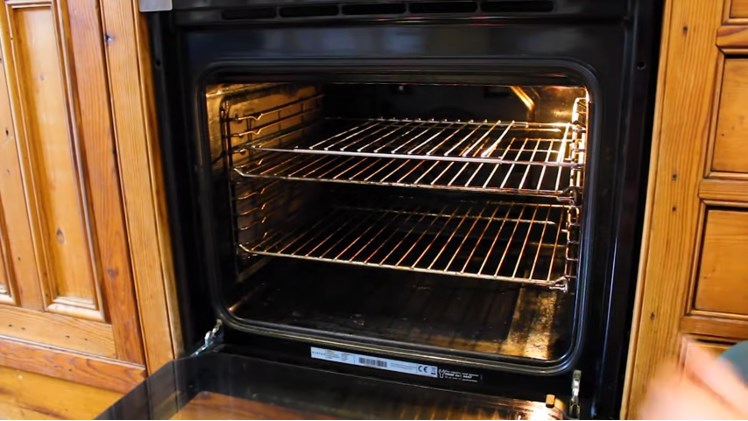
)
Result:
{"points": [[695, 402], [719, 376], [672, 396]]}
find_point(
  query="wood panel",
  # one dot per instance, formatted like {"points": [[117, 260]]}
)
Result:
{"points": [[724, 190], [86, 369], [680, 136], [26, 395], [95, 121], [52, 168], [128, 60], [732, 37], [22, 276], [709, 325], [723, 272], [690, 344], [739, 9], [6, 276], [731, 142], [59, 330]]}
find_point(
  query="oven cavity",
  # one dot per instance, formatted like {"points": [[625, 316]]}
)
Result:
{"points": [[438, 215]]}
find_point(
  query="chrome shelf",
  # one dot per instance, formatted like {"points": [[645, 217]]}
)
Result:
{"points": [[512, 242], [506, 157]]}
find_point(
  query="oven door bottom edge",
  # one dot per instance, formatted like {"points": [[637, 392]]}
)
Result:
{"points": [[222, 385]]}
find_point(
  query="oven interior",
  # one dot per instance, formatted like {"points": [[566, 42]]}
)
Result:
{"points": [[439, 217]]}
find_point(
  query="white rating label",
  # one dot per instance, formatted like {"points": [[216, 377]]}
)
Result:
{"points": [[375, 362]]}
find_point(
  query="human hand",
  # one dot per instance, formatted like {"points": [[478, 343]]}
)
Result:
{"points": [[706, 388]]}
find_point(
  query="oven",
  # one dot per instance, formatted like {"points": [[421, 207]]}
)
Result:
{"points": [[437, 199]]}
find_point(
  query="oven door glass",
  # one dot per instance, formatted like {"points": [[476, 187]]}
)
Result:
{"points": [[223, 386]]}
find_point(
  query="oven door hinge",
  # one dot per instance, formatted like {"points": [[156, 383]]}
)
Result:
{"points": [[574, 408], [155, 5], [212, 338]]}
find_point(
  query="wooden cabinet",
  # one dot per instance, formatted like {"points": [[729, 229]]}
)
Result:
{"points": [[694, 266], [84, 275]]}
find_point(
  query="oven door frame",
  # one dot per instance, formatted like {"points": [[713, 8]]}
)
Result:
{"points": [[475, 71], [224, 385]]}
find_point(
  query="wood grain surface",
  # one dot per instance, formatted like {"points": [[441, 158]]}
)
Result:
{"points": [[679, 147], [723, 270], [733, 36], [72, 366], [52, 170], [724, 190], [59, 330], [709, 325], [25, 395], [69, 252], [731, 144], [86, 289], [130, 84], [738, 8], [23, 285], [94, 117], [216, 406]]}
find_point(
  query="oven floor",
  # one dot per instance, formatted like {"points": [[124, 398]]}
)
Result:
{"points": [[454, 313]]}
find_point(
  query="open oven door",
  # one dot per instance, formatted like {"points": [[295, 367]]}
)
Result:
{"points": [[220, 385]]}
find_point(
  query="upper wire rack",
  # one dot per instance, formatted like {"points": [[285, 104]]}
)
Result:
{"points": [[498, 156]]}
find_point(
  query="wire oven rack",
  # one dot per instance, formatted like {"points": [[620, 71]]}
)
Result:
{"points": [[533, 159], [514, 242]]}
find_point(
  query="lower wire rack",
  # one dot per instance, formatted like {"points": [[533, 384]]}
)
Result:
{"points": [[512, 242]]}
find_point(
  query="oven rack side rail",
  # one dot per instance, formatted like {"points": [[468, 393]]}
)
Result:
{"points": [[508, 157], [578, 150]]}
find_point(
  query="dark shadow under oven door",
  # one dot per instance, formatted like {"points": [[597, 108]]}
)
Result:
{"points": [[218, 385]]}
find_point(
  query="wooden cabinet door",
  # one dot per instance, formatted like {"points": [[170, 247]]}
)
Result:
{"points": [[694, 267], [66, 290]]}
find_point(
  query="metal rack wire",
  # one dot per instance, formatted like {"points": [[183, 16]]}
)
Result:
{"points": [[506, 157], [511, 242]]}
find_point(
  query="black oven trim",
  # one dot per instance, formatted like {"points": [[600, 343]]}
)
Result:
{"points": [[362, 70], [276, 12], [607, 335]]}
